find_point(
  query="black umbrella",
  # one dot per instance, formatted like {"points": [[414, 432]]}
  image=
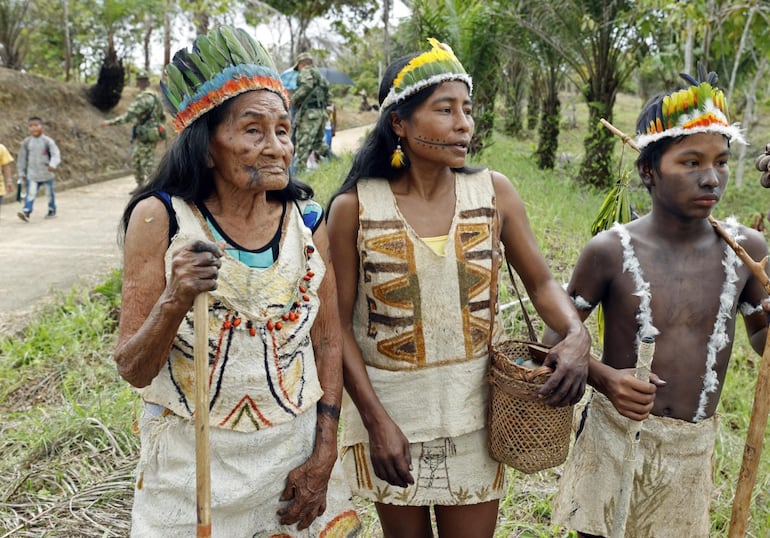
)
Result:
{"points": [[335, 76]]}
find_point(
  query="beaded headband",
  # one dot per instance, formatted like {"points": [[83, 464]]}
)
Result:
{"points": [[701, 108], [433, 67], [222, 65]]}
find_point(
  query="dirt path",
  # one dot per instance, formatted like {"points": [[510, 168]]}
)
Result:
{"points": [[77, 247]]}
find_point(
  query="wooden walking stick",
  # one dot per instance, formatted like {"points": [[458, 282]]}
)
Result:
{"points": [[202, 452], [623, 500], [752, 450], [761, 407]]}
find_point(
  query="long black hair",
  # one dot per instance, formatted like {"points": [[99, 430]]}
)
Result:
{"points": [[184, 172], [372, 160]]}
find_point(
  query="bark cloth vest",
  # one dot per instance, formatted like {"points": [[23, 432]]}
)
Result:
{"points": [[423, 320], [262, 366]]}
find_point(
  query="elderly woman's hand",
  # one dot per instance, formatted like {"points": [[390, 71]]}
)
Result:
{"points": [[306, 489], [194, 269]]}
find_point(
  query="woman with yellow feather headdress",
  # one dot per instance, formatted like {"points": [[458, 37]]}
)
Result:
{"points": [[415, 239]]}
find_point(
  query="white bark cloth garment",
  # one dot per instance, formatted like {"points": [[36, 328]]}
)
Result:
{"points": [[263, 387], [423, 321], [673, 471]]}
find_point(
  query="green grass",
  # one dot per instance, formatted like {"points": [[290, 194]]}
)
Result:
{"points": [[67, 448]]}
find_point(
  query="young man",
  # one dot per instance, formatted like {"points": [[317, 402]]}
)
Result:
{"points": [[39, 158], [666, 275]]}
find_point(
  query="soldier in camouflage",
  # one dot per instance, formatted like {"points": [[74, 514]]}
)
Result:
{"points": [[145, 108], [310, 101]]}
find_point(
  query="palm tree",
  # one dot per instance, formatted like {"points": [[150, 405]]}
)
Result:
{"points": [[599, 42]]}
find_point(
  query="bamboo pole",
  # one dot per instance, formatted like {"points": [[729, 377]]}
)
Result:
{"points": [[623, 500], [761, 407], [202, 451]]}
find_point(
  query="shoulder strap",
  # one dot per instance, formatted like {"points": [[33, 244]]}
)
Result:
{"points": [[150, 113], [312, 213], [173, 224]]}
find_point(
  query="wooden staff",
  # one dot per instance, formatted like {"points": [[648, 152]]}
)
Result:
{"points": [[752, 450], [202, 451], [761, 407], [623, 501]]}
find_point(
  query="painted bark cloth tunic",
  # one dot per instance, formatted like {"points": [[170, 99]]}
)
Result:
{"points": [[263, 386], [423, 322]]}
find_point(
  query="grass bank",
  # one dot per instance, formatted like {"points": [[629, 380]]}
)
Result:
{"points": [[67, 446]]}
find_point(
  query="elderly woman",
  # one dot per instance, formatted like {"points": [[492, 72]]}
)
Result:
{"points": [[221, 215]]}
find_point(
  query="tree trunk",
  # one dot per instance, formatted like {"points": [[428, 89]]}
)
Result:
{"points": [[596, 168], [514, 82], [534, 101], [167, 33], [748, 118], [484, 116], [147, 43], [67, 41], [739, 53], [548, 143], [386, 31]]}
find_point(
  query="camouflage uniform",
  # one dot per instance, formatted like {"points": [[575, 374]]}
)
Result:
{"points": [[144, 108], [310, 99]]}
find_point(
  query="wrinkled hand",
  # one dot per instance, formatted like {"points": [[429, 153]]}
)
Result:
{"points": [[194, 269], [631, 397], [306, 489], [762, 163], [391, 460], [569, 360]]}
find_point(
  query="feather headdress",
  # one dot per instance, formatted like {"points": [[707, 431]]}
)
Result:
{"points": [[221, 65], [433, 67], [701, 108]]}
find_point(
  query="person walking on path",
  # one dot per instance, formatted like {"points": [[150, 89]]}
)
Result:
{"points": [[146, 113], [669, 276], [6, 185], [310, 100], [416, 240], [39, 158]]}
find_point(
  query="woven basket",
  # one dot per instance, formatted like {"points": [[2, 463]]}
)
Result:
{"points": [[524, 432]]}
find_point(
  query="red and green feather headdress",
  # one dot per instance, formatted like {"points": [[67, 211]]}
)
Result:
{"points": [[222, 64], [701, 108]]}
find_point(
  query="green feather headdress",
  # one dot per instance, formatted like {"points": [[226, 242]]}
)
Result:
{"points": [[433, 67], [222, 64], [701, 108]]}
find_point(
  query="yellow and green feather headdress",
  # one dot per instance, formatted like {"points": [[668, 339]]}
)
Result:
{"points": [[222, 64], [701, 108], [433, 67]]}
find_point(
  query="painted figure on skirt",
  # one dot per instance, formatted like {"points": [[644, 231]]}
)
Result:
{"points": [[223, 216], [416, 239], [669, 276]]}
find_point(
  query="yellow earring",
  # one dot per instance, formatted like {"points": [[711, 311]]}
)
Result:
{"points": [[397, 159]]}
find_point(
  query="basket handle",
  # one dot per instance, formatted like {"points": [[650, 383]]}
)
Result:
{"points": [[530, 327]]}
